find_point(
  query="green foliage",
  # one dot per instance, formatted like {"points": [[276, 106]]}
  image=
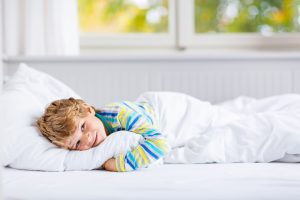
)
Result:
{"points": [[228, 16], [246, 15], [120, 16]]}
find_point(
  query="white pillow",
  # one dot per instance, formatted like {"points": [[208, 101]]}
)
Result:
{"points": [[24, 98]]}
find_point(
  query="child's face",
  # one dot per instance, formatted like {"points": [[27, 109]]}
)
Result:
{"points": [[89, 133]]}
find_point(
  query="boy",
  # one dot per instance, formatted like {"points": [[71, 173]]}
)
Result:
{"points": [[73, 124], [242, 130]]}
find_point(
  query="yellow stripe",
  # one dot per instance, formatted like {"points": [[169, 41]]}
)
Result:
{"points": [[133, 105], [142, 128], [121, 116], [144, 125], [145, 158], [161, 144], [138, 158], [125, 118], [139, 130], [122, 163], [158, 142]]}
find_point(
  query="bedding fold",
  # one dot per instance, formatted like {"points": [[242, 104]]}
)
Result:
{"points": [[240, 130]]}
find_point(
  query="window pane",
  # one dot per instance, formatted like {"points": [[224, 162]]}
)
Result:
{"points": [[123, 16], [236, 16]]}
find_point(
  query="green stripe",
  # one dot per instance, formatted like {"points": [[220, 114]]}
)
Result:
{"points": [[110, 130]]}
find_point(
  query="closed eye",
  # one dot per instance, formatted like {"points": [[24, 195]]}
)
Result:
{"points": [[77, 144], [82, 127]]}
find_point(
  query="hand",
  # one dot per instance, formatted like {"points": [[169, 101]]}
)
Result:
{"points": [[110, 165]]}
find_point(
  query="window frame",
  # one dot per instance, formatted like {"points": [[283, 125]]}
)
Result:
{"points": [[189, 38], [107, 40], [181, 35]]}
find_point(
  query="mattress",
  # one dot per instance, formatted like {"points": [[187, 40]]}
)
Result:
{"points": [[169, 181]]}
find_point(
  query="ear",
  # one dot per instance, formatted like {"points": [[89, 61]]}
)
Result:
{"points": [[91, 110]]}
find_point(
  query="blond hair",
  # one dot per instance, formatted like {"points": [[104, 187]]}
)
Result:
{"points": [[59, 120]]}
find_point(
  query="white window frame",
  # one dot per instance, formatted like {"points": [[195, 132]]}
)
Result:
{"points": [[99, 40], [181, 35], [189, 38]]}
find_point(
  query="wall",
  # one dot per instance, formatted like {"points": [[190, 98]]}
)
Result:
{"points": [[1, 80], [103, 79]]}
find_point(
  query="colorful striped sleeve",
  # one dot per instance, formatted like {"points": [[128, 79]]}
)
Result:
{"points": [[151, 149]]}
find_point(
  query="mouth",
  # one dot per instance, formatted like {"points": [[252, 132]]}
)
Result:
{"points": [[96, 137]]}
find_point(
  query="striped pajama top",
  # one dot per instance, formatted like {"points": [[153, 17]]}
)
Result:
{"points": [[137, 118]]}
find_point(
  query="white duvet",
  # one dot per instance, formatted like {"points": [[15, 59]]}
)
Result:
{"points": [[240, 130]]}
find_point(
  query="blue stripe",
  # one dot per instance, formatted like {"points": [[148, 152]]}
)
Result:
{"points": [[128, 120], [148, 150], [133, 159], [113, 120], [128, 106], [134, 121], [142, 107], [151, 131], [151, 134], [109, 114], [149, 118], [148, 132], [155, 148], [128, 161], [110, 130], [144, 112]]}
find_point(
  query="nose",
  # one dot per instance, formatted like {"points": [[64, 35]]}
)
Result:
{"points": [[89, 137]]}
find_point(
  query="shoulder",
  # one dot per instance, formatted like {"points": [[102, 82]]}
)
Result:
{"points": [[118, 106]]}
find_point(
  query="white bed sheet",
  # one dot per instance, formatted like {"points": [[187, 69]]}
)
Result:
{"points": [[169, 181]]}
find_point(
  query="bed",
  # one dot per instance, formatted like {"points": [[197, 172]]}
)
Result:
{"points": [[170, 181], [162, 181]]}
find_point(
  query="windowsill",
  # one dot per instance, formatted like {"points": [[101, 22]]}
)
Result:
{"points": [[161, 55]]}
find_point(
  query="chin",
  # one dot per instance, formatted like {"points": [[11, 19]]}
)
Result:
{"points": [[101, 140]]}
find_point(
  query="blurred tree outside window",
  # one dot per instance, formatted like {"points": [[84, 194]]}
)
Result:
{"points": [[247, 16], [123, 16], [189, 23]]}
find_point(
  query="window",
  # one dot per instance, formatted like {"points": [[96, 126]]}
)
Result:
{"points": [[247, 16], [119, 16], [126, 22], [190, 23], [240, 24]]}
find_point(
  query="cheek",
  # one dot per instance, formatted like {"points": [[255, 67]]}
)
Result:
{"points": [[96, 123], [92, 125], [101, 125], [84, 142]]}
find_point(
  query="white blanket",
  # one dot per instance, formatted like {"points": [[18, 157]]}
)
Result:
{"points": [[241, 130]]}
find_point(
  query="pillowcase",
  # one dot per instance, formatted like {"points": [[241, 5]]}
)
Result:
{"points": [[24, 99]]}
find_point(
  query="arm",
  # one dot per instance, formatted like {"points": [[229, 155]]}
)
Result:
{"points": [[151, 149], [110, 165]]}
